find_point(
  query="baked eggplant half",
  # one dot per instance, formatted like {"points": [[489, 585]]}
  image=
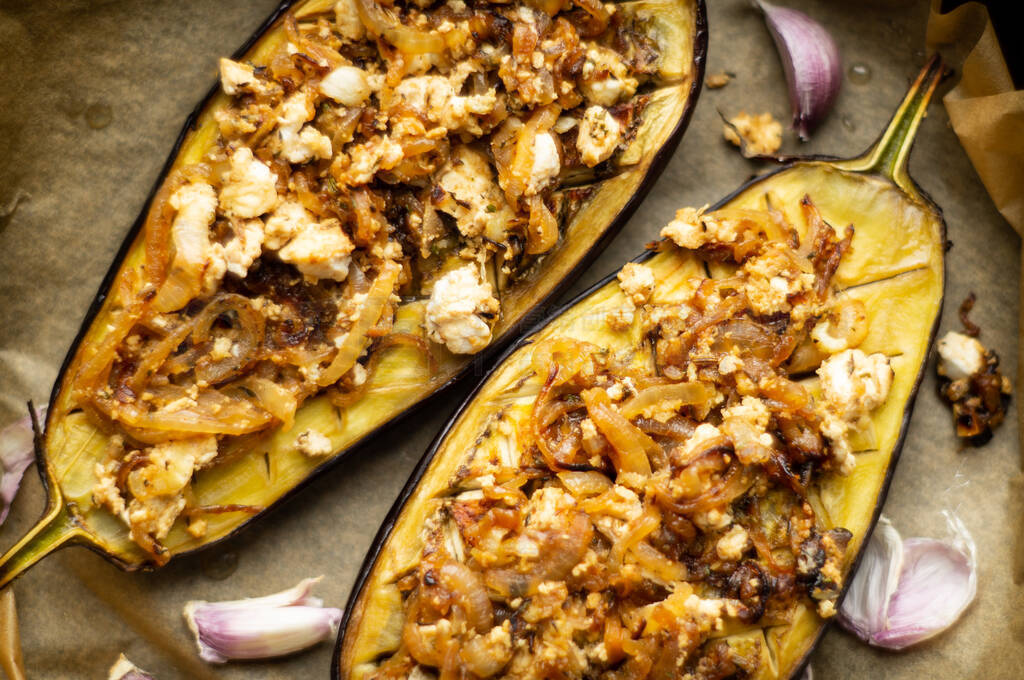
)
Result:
{"points": [[674, 475], [374, 193]]}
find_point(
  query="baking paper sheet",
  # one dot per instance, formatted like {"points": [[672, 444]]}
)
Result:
{"points": [[92, 95]]}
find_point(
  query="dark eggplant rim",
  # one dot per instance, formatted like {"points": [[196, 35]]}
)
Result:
{"points": [[658, 162], [376, 547]]}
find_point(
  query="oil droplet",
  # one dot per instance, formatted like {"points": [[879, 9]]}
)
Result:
{"points": [[860, 73], [848, 123], [98, 116], [219, 566]]}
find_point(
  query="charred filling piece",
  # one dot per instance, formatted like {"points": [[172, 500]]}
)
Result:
{"points": [[970, 381], [386, 152], [641, 514]]}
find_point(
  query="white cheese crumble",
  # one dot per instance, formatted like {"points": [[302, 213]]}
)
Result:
{"points": [[300, 144], [453, 312], [473, 198], [287, 220], [598, 136], [637, 282], [606, 79], [547, 163], [313, 443], [320, 251], [250, 187], [960, 355], [852, 384], [733, 544], [347, 85]]}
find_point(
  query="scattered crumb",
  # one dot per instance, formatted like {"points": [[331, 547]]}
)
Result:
{"points": [[970, 381], [717, 80], [755, 135]]}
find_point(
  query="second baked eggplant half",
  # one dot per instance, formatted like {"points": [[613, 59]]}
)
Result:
{"points": [[673, 477], [376, 192]]}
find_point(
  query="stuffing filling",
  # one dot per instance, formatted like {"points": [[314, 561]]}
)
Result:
{"points": [[971, 382], [640, 516], [386, 152]]}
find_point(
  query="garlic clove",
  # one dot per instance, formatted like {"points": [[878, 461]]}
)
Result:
{"points": [[939, 579], [17, 452], [811, 61], [261, 627], [260, 632], [906, 591]]}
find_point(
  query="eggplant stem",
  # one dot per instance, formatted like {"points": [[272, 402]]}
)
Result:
{"points": [[890, 155], [55, 529]]}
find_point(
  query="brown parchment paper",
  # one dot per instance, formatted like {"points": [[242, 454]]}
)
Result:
{"points": [[92, 94]]}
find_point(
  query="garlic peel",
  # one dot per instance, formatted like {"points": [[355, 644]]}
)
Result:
{"points": [[123, 669], [261, 627], [907, 591], [811, 61]]}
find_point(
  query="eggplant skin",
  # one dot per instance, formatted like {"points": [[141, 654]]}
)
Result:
{"points": [[670, 106], [898, 267]]}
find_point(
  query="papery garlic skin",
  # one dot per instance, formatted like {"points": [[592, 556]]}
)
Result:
{"points": [[906, 591], [123, 669], [866, 602], [17, 453], [261, 627], [811, 60]]}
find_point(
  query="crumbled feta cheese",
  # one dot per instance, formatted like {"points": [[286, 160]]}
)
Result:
{"points": [[250, 187], [762, 134], [453, 312], [960, 355], [702, 436], [236, 77], [320, 251], [750, 409], [688, 229], [606, 79], [437, 98], [637, 282], [598, 136], [346, 18], [712, 520], [221, 348], [852, 384], [300, 144], [287, 220], [473, 197], [347, 85], [196, 206], [729, 364], [547, 163], [366, 158], [314, 444], [772, 278], [242, 249], [733, 544]]}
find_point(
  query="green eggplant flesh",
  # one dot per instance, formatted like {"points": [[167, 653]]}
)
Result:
{"points": [[895, 267]]}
